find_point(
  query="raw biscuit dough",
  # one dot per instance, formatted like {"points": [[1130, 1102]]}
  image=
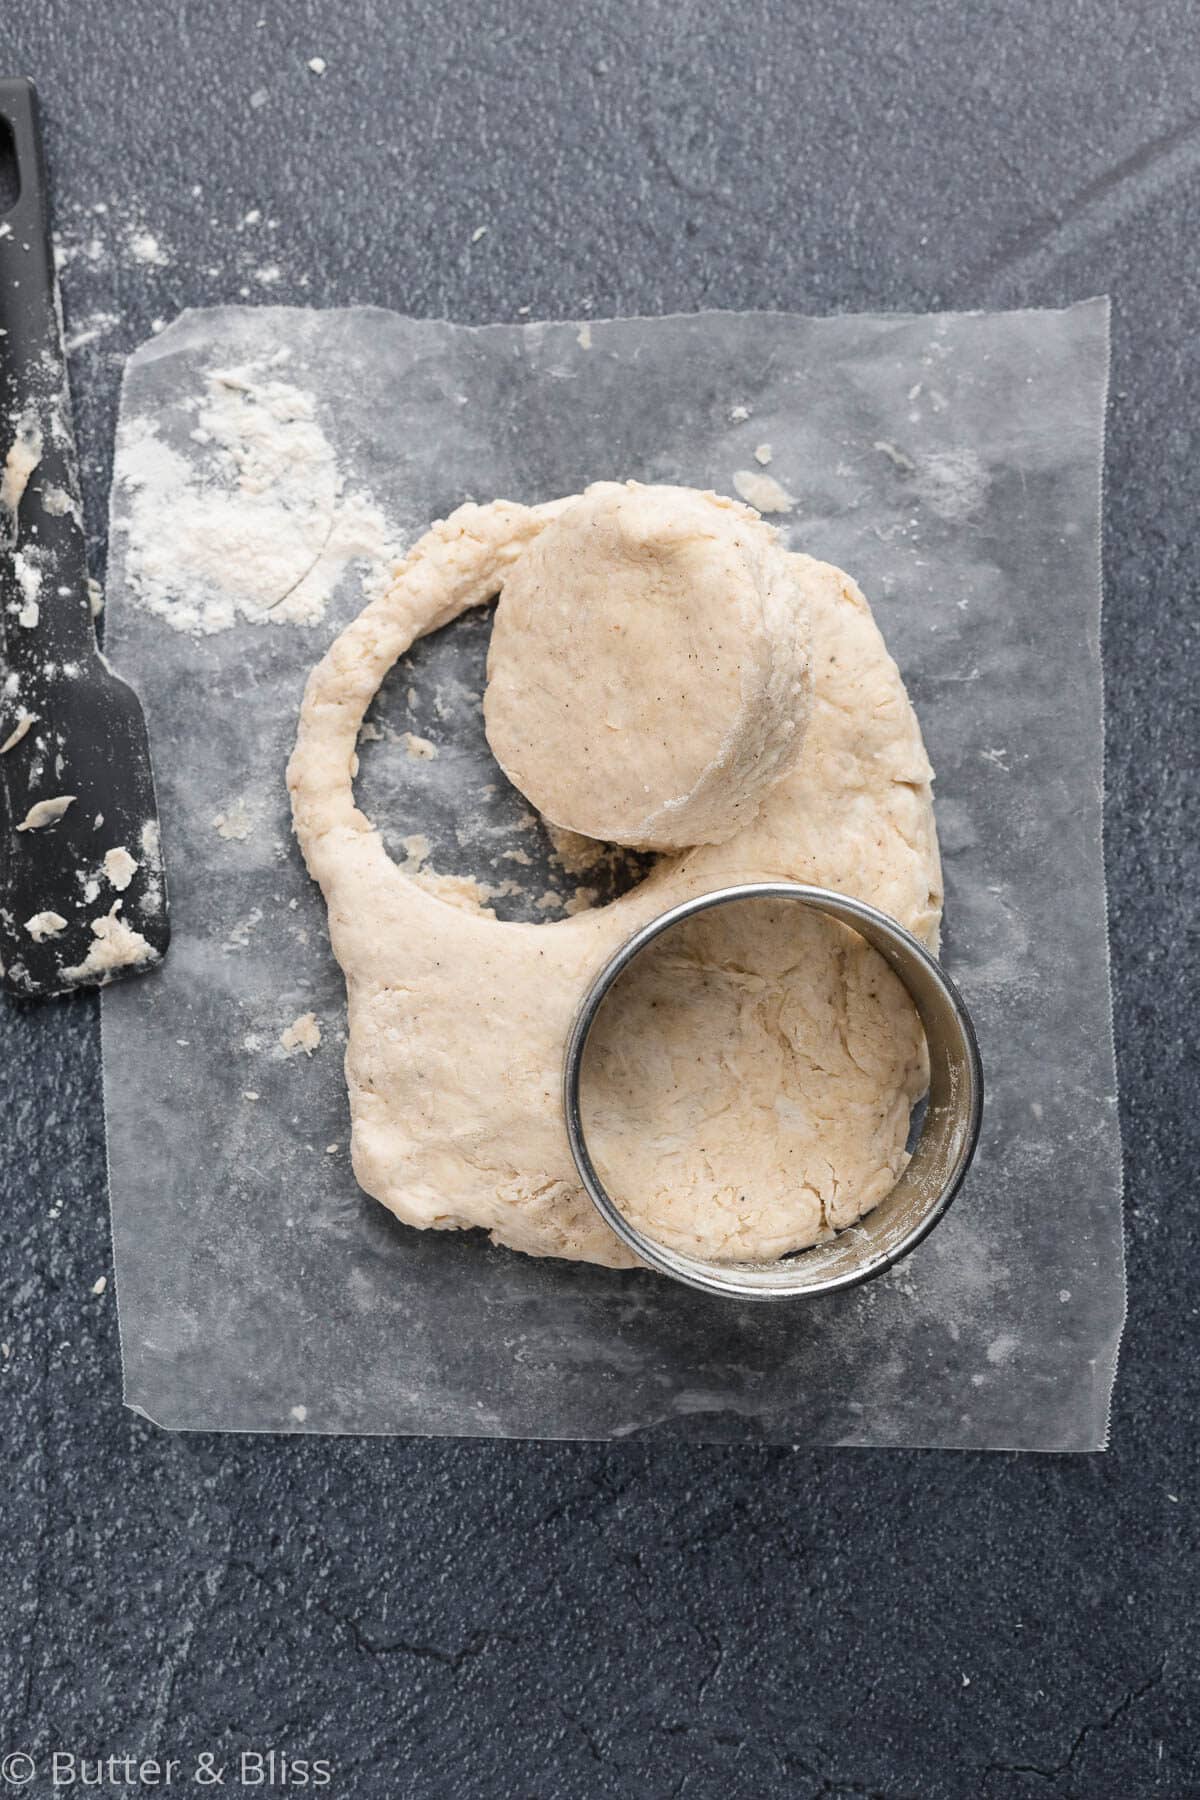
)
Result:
{"points": [[648, 672], [793, 1121], [458, 1021]]}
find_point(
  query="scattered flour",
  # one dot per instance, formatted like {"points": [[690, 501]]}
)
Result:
{"points": [[255, 524], [89, 330], [145, 248], [29, 580], [762, 455], [235, 824], [583, 337], [953, 483]]}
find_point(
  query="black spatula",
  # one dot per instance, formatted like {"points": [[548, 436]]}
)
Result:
{"points": [[77, 807]]}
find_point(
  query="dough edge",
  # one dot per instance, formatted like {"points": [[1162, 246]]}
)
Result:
{"points": [[469, 1133]]}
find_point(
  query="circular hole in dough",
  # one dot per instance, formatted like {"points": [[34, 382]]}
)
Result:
{"points": [[449, 815]]}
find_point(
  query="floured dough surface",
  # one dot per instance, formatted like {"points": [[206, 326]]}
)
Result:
{"points": [[648, 673], [458, 1021]]}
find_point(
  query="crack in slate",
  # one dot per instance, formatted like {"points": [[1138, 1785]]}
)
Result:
{"points": [[1066, 1767]]}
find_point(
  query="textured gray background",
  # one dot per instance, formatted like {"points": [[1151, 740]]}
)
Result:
{"points": [[482, 1619]]}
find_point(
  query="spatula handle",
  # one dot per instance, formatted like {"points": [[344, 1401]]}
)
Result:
{"points": [[35, 414]]}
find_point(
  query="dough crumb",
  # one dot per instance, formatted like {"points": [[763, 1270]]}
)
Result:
{"points": [[583, 337], [545, 902], [120, 867], [302, 1034], [234, 824], [44, 925], [24, 455], [576, 853], [117, 946], [56, 501], [100, 1283], [763, 492], [462, 891], [46, 812], [416, 850], [582, 900], [763, 454], [738, 415], [419, 748], [24, 721], [904, 463], [317, 64]]}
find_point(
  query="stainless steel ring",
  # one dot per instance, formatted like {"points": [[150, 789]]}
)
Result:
{"points": [[939, 1161]]}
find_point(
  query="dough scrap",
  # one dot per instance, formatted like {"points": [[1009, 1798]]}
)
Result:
{"points": [[763, 491], [120, 867], [117, 946], [648, 673], [458, 1022], [46, 812], [23, 724], [302, 1034], [45, 925]]}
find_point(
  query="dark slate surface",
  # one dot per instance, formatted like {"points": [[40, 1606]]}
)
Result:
{"points": [[479, 1619]]}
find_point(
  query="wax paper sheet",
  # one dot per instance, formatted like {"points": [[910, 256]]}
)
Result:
{"points": [[952, 463]]}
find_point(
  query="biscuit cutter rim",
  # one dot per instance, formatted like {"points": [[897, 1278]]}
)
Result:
{"points": [[939, 1162]]}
